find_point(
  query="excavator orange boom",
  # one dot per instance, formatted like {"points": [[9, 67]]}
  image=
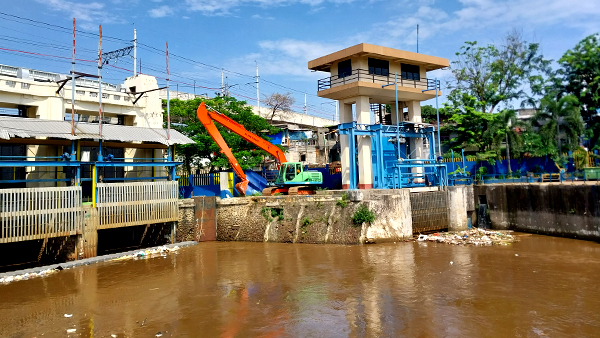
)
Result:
{"points": [[207, 118]]}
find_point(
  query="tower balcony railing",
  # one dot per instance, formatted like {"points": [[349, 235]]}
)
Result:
{"points": [[363, 75]]}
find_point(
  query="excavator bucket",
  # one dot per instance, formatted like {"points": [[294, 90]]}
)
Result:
{"points": [[254, 185]]}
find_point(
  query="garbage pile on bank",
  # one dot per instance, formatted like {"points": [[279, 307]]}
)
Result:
{"points": [[148, 253], [26, 276], [142, 254], [473, 236]]}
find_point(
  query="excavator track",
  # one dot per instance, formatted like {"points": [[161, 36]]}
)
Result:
{"points": [[302, 190], [297, 190], [274, 190]]}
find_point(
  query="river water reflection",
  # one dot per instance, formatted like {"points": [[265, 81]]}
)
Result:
{"points": [[540, 286]]}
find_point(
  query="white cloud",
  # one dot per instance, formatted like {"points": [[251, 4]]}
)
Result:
{"points": [[223, 7], [285, 57], [160, 12], [258, 16], [90, 14], [486, 14]]}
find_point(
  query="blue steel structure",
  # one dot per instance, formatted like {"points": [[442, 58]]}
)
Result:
{"points": [[70, 160], [395, 172]]}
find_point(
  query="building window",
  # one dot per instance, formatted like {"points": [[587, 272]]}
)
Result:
{"points": [[344, 68], [379, 67], [303, 158], [410, 72]]}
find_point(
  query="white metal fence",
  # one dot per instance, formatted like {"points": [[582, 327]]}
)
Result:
{"points": [[127, 204], [36, 213]]}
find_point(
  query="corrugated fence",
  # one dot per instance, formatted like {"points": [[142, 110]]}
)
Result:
{"points": [[128, 204], [37, 213]]}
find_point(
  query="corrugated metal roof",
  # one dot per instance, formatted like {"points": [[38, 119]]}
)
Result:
{"points": [[11, 127]]}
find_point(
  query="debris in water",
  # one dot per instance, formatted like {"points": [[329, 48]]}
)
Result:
{"points": [[71, 330], [517, 255], [474, 236], [451, 262], [161, 250], [159, 334], [68, 315]]}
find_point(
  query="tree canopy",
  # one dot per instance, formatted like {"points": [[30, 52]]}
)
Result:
{"points": [[205, 152], [580, 75], [490, 79]]}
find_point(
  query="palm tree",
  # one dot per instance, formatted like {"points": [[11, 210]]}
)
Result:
{"points": [[505, 128], [559, 116]]}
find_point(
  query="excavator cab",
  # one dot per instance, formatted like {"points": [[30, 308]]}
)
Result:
{"points": [[292, 173]]}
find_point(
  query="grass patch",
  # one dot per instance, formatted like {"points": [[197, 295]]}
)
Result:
{"points": [[363, 215], [344, 201], [270, 213]]}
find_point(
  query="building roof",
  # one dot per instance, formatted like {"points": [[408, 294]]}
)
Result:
{"points": [[364, 49], [11, 127]]}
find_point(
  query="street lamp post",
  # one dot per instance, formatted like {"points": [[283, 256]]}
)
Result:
{"points": [[335, 118], [397, 119]]}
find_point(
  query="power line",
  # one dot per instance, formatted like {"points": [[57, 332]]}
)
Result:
{"points": [[36, 23]]}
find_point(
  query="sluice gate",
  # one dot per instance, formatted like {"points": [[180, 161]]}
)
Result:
{"points": [[429, 211]]}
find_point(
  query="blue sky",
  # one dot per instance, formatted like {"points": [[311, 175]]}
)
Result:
{"points": [[281, 35]]}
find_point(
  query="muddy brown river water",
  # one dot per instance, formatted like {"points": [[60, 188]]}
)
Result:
{"points": [[538, 287]]}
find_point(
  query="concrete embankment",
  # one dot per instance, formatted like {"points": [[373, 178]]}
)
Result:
{"points": [[316, 218], [551, 209], [326, 217]]}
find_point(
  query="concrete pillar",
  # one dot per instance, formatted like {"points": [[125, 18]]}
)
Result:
{"points": [[87, 246], [457, 208], [416, 144], [365, 161], [345, 111]]}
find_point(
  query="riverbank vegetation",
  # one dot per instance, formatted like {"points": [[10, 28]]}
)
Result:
{"points": [[489, 84]]}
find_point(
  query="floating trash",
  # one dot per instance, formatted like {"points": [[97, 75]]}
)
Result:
{"points": [[143, 254], [472, 236], [71, 330], [68, 315]]}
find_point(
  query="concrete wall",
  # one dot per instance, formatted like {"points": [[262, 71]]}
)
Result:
{"points": [[551, 209], [460, 206], [315, 219]]}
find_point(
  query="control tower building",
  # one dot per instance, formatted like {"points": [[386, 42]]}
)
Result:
{"points": [[361, 80]]}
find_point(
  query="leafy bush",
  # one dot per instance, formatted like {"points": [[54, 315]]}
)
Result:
{"points": [[306, 222], [363, 215]]}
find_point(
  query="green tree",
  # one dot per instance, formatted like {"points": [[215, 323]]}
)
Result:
{"points": [[559, 117], [506, 127], [495, 75], [467, 125], [205, 152], [429, 115], [580, 70]]}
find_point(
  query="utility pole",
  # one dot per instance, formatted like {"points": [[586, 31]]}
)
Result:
{"points": [[305, 110], [168, 101], [135, 53], [222, 84], [257, 95], [73, 84], [417, 38], [100, 83], [194, 88]]}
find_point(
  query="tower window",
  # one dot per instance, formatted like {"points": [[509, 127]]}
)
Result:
{"points": [[379, 67], [344, 68], [410, 72]]}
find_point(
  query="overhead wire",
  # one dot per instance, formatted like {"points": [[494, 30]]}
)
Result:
{"points": [[54, 27]]}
